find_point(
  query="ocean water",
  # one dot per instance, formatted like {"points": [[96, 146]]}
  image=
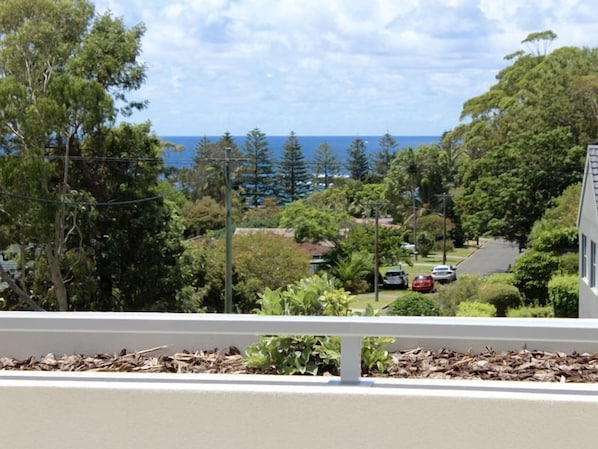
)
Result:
{"points": [[339, 144]]}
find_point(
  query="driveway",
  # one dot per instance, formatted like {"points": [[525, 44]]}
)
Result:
{"points": [[495, 256]]}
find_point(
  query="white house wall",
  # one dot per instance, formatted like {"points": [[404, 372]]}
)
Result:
{"points": [[588, 226]]}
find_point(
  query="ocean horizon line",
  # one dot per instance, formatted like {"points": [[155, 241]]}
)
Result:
{"points": [[338, 143]]}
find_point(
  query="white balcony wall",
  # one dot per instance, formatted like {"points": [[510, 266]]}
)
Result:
{"points": [[128, 411]]}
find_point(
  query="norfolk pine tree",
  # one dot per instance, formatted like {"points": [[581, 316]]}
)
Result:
{"points": [[326, 165], [257, 176], [293, 174], [357, 162]]}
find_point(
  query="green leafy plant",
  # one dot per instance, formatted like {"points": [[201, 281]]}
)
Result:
{"points": [[476, 309], [531, 312], [414, 304], [354, 271], [310, 355]]}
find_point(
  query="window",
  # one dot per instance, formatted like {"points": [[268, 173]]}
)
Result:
{"points": [[584, 256], [593, 264]]}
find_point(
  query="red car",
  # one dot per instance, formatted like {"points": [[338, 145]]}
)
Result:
{"points": [[423, 283]]}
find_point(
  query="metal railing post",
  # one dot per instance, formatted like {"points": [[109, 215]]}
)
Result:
{"points": [[351, 359]]}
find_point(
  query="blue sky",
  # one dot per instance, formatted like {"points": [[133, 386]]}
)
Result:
{"points": [[332, 67]]}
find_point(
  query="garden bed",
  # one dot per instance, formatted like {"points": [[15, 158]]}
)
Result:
{"points": [[522, 365]]}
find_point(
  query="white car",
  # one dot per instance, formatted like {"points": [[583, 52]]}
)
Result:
{"points": [[444, 273], [408, 246]]}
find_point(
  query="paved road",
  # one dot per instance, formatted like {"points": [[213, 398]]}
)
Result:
{"points": [[495, 256]]}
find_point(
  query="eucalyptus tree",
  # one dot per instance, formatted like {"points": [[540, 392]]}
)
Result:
{"points": [[65, 77], [534, 123], [357, 160], [326, 165], [293, 175], [257, 177], [508, 189], [538, 92]]}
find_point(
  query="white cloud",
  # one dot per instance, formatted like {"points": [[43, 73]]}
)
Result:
{"points": [[333, 67]]}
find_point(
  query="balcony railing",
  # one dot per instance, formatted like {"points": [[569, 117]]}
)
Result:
{"points": [[32, 333]]}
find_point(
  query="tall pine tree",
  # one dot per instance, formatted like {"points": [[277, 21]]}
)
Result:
{"points": [[326, 165], [384, 157], [293, 174], [257, 177], [357, 162]]}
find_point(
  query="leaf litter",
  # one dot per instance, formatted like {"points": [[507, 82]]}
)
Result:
{"points": [[518, 365]]}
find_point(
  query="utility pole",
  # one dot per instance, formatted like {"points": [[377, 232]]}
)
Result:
{"points": [[414, 205], [376, 205], [228, 279], [444, 196], [444, 229], [228, 204]]}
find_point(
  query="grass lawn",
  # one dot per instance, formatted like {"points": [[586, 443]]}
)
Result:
{"points": [[423, 265]]}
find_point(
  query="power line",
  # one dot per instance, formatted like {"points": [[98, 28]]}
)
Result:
{"points": [[80, 203]]}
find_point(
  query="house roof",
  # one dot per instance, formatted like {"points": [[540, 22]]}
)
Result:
{"points": [[590, 181], [592, 158], [318, 249]]}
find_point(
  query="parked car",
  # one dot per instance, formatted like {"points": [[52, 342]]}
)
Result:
{"points": [[423, 283], [395, 279], [408, 246], [444, 273]]}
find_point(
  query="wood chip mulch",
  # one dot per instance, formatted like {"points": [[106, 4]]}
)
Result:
{"points": [[522, 365]]}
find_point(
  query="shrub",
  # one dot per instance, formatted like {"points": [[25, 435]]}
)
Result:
{"points": [[556, 240], [569, 263], [354, 271], [499, 278], [450, 295], [531, 312], [532, 271], [310, 354], [425, 243], [563, 293], [476, 309], [414, 304], [501, 296]]}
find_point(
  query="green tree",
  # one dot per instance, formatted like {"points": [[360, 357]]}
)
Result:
{"points": [[202, 216], [262, 261], [326, 165], [357, 160], [85, 193], [383, 158], [509, 188], [257, 176], [293, 174], [313, 223]]}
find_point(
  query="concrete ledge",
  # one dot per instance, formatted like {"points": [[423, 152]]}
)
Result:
{"points": [[100, 410]]}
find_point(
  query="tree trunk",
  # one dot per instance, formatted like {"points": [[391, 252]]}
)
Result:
{"points": [[57, 280]]}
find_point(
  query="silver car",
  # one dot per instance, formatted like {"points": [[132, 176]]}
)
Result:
{"points": [[395, 279], [444, 273]]}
